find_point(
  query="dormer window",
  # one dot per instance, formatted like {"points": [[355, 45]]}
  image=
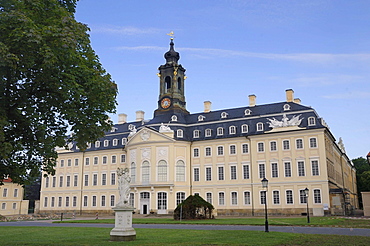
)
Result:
{"points": [[88, 145], [97, 144], [208, 132], [259, 126], [106, 143], [115, 142], [232, 130], [244, 128], [201, 118], [124, 141], [180, 133], [174, 118], [286, 107], [196, 133], [113, 129], [220, 131], [311, 121], [247, 112], [224, 115]]}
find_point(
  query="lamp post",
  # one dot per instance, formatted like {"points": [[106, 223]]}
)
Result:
{"points": [[368, 158], [264, 185], [308, 213]]}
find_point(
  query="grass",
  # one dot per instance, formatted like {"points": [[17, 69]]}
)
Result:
{"points": [[100, 236], [302, 221]]}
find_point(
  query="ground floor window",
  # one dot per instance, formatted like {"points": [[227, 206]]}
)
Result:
{"points": [[221, 198], [180, 197], [317, 196], [247, 197], [234, 198], [132, 200], [162, 200]]}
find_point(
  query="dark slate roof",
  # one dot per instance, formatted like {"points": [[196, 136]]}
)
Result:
{"points": [[212, 120]]}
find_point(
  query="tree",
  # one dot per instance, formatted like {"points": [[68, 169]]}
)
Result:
{"points": [[362, 176], [52, 83], [193, 207]]}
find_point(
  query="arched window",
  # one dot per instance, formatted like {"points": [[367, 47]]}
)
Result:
{"points": [[224, 115], [260, 126], [311, 121], [220, 131], [162, 170], [180, 133], [145, 168], [244, 128], [201, 118], [232, 130], [180, 170], [174, 118], [179, 84], [208, 132], [167, 84], [247, 112], [286, 107], [133, 172]]}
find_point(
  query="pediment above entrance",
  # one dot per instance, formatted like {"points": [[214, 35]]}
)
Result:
{"points": [[148, 135]]}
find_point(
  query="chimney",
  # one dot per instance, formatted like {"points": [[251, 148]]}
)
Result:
{"points": [[252, 100], [297, 100], [140, 115], [289, 95], [122, 118], [207, 106]]}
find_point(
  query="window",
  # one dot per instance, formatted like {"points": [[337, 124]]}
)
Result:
{"points": [[245, 148], [85, 201], [173, 118], [244, 128], [286, 145], [86, 180], [311, 121], [61, 181], [289, 196], [302, 197], [5, 192], [301, 171], [232, 149], [94, 201], [274, 170], [286, 107], [299, 143], [123, 158], [260, 147], [104, 179], [59, 201], [45, 203], [220, 150], [54, 181], [247, 198], [208, 174], [115, 142], [196, 174], [76, 162], [232, 172], [234, 198], [180, 171], [273, 146], [97, 144], [61, 163], [196, 152], [112, 198], [105, 159], [261, 168], [124, 141], [75, 180], [180, 197], [180, 133], [196, 133], [132, 200], [106, 143], [220, 173], [47, 182], [52, 204], [68, 183], [102, 201], [89, 145], [287, 169], [96, 160], [162, 171], [145, 169], [276, 196], [114, 159], [133, 172], [220, 131], [74, 201], [208, 132], [69, 162], [232, 130], [313, 143], [317, 196], [209, 197], [87, 161], [95, 179], [14, 205], [247, 112], [162, 200], [245, 171], [263, 197], [208, 151], [221, 198], [113, 178], [315, 168], [224, 115], [260, 126], [201, 118], [67, 201]]}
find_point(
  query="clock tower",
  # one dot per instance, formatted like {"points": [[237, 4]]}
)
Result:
{"points": [[171, 84]]}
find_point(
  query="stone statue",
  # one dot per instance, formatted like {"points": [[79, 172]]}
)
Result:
{"points": [[285, 122], [164, 128], [124, 187], [132, 129]]}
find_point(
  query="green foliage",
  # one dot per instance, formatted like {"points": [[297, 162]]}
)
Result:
{"points": [[194, 207], [362, 176], [52, 83]]}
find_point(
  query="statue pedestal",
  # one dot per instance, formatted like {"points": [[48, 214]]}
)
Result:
{"points": [[123, 230]]}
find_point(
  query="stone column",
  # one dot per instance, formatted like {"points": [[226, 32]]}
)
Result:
{"points": [[123, 230]]}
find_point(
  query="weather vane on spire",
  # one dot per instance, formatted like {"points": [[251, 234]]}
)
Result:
{"points": [[171, 34]]}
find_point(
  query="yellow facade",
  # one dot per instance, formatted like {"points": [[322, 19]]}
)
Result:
{"points": [[11, 199]]}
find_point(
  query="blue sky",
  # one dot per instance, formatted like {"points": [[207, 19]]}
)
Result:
{"points": [[231, 49]]}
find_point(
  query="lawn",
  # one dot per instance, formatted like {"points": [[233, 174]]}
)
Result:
{"points": [[100, 236], [301, 221]]}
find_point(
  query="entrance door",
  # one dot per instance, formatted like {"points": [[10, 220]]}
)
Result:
{"points": [[144, 202], [145, 209]]}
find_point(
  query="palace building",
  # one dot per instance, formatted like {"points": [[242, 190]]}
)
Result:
{"points": [[11, 198], [221, 155]]}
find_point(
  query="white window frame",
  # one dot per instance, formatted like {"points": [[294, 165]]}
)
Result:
{"points": [[289, 197], [299, 145], [196, 172], [245, 148], [234, 198], [274, 170], [259, 126], [196, 152], [196, 134], [208, 151], [179, 133], [208, 132], [220, 131], [315, 169], [220, 150], [233, 173], [232, 149], [232, 130], [221, 198], [260, 147], [245, 128], [273, 146], [208, 174], [313, 142], [221, 172], [286, 144], [311, 121]]}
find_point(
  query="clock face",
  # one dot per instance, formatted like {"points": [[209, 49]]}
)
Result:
{"points": [[165, 103]]}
